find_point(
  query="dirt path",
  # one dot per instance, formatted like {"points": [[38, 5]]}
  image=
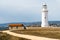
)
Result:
{"points": [[28, 36]]}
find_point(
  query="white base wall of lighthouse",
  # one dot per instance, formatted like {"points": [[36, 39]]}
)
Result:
{"points": [[44, 25]]}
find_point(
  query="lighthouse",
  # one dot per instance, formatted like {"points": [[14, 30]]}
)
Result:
{"points": [[44, 15]]}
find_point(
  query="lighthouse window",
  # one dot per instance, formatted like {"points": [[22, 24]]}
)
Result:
{"points": [[45, 17], [44, 5]]}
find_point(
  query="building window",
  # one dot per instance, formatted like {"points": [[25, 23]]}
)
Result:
{"points": [[16, 27]]}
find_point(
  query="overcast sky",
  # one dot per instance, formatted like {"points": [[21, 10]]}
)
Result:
{"points": [[27, 10]]}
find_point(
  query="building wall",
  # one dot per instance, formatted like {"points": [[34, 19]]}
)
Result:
{"points": [[14, 28]]}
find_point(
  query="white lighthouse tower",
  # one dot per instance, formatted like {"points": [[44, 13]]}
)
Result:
{"points": [[44, 16]]}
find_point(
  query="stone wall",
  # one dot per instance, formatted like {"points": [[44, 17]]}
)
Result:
{"points": [[14, 28]]}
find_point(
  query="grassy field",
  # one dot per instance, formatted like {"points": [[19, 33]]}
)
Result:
{"points": [[4, 36], [44, 32]]}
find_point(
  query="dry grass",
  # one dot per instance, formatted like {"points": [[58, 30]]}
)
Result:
{"points": [[44, 32], [4, 36]]}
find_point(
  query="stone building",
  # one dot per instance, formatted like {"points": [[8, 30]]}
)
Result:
{"points": [[16, 26]]}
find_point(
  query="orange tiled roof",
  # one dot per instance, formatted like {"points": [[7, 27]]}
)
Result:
{"points": [[15, 25]]}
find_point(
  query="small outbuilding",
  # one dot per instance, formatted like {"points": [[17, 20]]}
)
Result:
{"points": [[16, 26]]}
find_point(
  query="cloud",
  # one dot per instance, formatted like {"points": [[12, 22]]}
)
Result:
{"points": [[19, 5]]}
